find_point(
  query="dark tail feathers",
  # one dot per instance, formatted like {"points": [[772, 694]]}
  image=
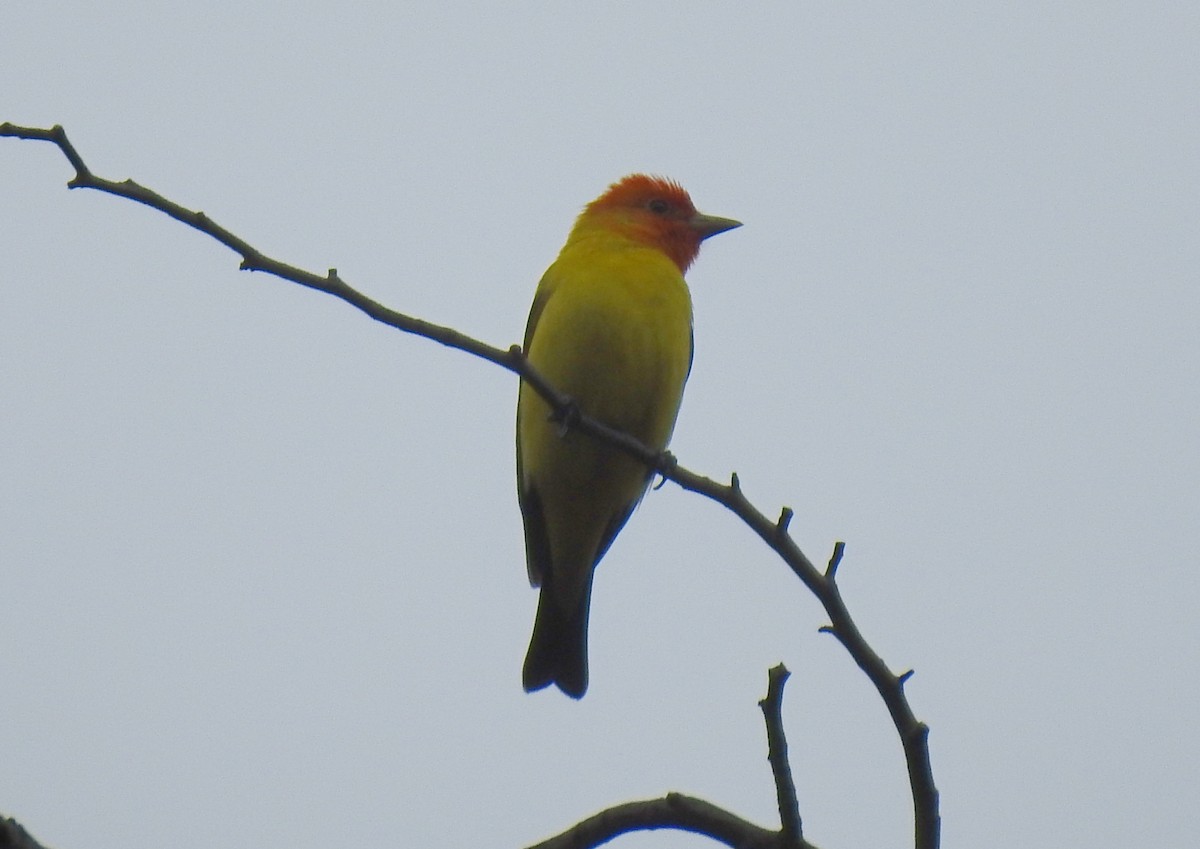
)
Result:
{"points": [[558, 650]]}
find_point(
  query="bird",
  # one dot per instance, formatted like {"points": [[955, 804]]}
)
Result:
{"points": [[610, 327]]}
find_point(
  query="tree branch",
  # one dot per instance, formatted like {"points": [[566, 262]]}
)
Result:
{"points": [[14, 836], [913, 734], [675, 811], [791, 827], [687, 813]]}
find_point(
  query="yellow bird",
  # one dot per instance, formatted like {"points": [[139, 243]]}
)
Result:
{"points": [[610, 326]]}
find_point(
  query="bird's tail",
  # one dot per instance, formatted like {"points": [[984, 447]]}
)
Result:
{"points": [[558, 650]]}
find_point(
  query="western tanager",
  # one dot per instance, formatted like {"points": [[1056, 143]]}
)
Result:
{"points": [[610, 326]]}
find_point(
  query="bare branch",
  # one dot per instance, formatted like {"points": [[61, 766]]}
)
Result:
{"points": [[913, 734], [674, 811], [14, 836], [687, 813], [777, 755]]}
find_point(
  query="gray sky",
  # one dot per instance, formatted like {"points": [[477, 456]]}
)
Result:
{"points": [[262, 568]]}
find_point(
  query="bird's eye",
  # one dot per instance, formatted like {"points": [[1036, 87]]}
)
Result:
{"points": [[658, 207]]}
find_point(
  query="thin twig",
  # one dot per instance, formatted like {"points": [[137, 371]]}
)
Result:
{"points": [[791, 826], [913, 734]]}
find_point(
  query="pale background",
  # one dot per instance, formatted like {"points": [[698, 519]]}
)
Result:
{"points": [[261, 568]]}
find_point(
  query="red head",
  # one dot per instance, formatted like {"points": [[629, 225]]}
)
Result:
{"points": [[658, 212]]}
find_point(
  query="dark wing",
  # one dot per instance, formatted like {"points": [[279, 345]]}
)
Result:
{"points": [[537, 544]]}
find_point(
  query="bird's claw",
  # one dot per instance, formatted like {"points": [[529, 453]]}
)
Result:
{"points": [[664, 464]]}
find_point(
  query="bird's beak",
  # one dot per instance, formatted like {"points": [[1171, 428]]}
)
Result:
{"points": [[711, 225]]}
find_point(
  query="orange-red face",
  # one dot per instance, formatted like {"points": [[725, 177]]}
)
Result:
{"points": [[658, 212]]}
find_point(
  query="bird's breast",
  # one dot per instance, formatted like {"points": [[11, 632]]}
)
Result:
{"points": [[616, 336]]}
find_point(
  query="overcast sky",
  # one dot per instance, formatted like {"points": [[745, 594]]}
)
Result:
{"points": [[262, 577]]}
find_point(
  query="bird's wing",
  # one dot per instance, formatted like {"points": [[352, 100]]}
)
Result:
{"points": [[544, 290], [537, 543]]}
